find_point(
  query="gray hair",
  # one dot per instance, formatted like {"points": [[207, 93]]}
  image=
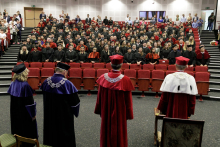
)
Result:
{"points": [[181, 67], [57, 69]]}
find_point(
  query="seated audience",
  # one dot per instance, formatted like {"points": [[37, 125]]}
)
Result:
{"points": [[202, 56], [23, 55], [173, 54], [59, 55], [105, 54], [129, 57], [71, 55], [140, 57], [190, 55], [47, 53], [152, 57], [35, 55], [83, 56], [117, 51], [94, 56], [165, 52]]}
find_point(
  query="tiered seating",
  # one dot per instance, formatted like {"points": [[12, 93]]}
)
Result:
{"points": [[142, 77]]}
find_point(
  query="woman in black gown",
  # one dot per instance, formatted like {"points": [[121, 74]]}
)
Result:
{"points": [[23, 107], [23, 55]]}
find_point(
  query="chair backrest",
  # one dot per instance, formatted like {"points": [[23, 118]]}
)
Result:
{"points": [[25, 63], [34, 72], [189, 69], [143, 74], [36, 64], [124, 66], [161, 67], [47, 72], [135, 66], [74, 65], [101, 72], [89, 73], [20, 139], [163, 61], [201, 68], [86, 65], [49, 65], [148, 67], [202, 76], [75, 73], [131, 73], [99, 65], [157, 74], [181, 132], [172, 67], [108, 66]]}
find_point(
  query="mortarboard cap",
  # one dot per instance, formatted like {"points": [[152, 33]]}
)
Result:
{"points": [[182, 60], [174, 45], [189, 45], [19, 68], [116, 59], [63, 66]]}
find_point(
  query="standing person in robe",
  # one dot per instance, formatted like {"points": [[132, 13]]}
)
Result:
{"points": [[114, 105], [94, 56], [191, 55], [179, 91], [59, 55], [23, 107], [202, 57], [173, 54], [61, 102]]}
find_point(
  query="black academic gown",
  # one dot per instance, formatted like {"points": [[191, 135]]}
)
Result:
{"points": [[21, 120], [60, 104], [164, 53], [47, 53], [190, 55], [139, 57], [129, 58], [172, 56], [146, 50], [123, 50], [83, 57], [71, 56], [59, 56], [105, 56], [23, 57], [35, 56]]}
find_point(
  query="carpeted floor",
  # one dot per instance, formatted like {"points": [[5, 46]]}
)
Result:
{"points": [[140, 129]]}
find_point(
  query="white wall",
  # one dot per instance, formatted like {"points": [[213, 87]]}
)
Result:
{"points": [[209, 3]]}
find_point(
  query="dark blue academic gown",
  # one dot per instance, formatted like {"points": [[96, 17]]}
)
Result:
{"points": [[61, 102], [22, 110]]}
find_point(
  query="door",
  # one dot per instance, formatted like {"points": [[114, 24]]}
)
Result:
{"points": [[203, 16], [32, 16]]}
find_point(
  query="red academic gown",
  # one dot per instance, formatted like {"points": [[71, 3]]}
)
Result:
{"points": [[114, 104], [177, 105]]}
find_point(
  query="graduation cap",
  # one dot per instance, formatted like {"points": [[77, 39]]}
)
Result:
{"points": [[19, 68], [116, 59], [182, 60], [59, 45], [63, 66], [189, 45], [174, 45]]}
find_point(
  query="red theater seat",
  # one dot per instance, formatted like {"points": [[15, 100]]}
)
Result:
{"points": [[201, 68], [75, 76], [101, 72], [157, 80], [190, 73], [148, 67], [45, 73], [74, 65], [89, 79], [160, 67], [189, 69], [202, 82], [169, 72], [49, 64], [36, 65], [172, 67], [143, 80], [34, 78], [163, 61], [124, 66], [131, 73], [25, 63], [99, 65], [108, 66], [86, 65], [135, 66]]}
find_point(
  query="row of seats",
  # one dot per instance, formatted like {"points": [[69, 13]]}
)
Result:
{"points": [[141, 79], [162, 66]]}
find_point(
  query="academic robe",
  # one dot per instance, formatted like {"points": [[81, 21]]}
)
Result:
{"points": [[129, 58], [172, 56], [61, 102], [94, 57], [83, 57], [105, 56], [190, 55], [35, 56], [114, 105], [23, 57], [202, 58], [139, 57], [59, 56], [71, 56], [47, 53], [164, 53], [178, 95], [152, 58], [123, 50], [22, 110]]}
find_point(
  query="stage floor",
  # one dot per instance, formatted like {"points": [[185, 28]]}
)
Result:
{"points": [[140, 129]]}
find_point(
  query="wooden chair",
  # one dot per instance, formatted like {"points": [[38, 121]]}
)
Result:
{"points": [[7, 140], [20, 139], [180, 132]]}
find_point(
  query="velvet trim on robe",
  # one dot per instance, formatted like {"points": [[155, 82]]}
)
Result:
{"points": [[20, 89], [65, 86], [177, 105], [199, 54]]}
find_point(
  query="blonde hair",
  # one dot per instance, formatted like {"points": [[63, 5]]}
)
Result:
{"points": [[184, 47], [191, 42], [22, 51], [22, 76]]}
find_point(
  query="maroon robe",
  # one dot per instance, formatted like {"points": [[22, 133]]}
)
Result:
{"points": [[177, 105], [114, 104]]}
